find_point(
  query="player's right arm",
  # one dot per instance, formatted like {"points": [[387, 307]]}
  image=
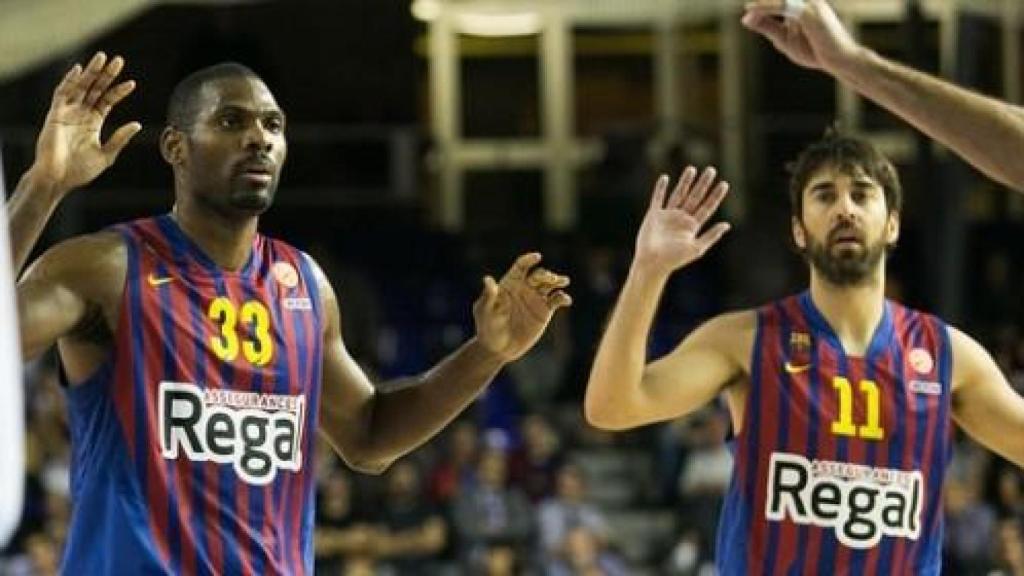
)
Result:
{"points": [[623, 391], [69, 153], [986, 132], [72, 289]]}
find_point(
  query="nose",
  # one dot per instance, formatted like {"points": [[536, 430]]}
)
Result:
{"points": [[257, 139], [846, 208]]}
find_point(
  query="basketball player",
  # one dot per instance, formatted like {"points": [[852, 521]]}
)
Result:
{"points": [[841, 401], [986, 132], [201, 356]]}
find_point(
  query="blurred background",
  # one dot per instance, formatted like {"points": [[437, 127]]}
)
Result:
{"points": [[431, 141]]}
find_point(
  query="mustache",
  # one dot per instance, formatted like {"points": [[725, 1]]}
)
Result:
{"points": [[845, 231]]}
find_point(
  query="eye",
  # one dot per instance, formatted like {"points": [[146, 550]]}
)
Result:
{"points": [[274, 124], [229, 121]]}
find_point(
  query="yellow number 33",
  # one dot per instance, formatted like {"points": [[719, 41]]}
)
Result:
{"points": [[260, 351]]}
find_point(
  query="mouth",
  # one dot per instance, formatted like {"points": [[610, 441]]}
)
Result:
{"points": [[846, 238], [260, 173]]}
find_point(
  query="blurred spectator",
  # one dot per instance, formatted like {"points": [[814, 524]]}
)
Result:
{"points": [[1009, 549], [492, 511], [411, 532], [455, 472], [534, 466], [705, 478], [567, 511], [345, 543], [969, 529], [583, 554]]}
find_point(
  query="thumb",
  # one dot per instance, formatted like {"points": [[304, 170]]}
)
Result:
{"points": [[119, 139], [490, 292]]}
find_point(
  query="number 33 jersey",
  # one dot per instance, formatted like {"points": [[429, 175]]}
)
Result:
{"points": [[193, 445], [840, 459]]}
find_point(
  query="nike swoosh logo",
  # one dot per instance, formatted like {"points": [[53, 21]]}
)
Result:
{"points": [[156, 281], [796, 369]]}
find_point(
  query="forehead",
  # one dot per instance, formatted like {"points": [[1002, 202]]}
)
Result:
{"points": [[245, 92]]}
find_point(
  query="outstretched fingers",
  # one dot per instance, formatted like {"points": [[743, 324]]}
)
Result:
{"points": [[522, 266], [711, 236], [104, 78], [658, 197], [119, 139], [114, 95], [700, 190], [682, 188], [711, 203]]}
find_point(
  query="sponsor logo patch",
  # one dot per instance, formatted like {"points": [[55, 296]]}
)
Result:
{"points": [[861, 503], [258, 434]]}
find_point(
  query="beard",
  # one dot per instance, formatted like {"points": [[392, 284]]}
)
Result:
{"points": [[843, 265], [251, 199]]}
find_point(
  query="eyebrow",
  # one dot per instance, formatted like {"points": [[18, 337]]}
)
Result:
{"points": [[243, 110]]}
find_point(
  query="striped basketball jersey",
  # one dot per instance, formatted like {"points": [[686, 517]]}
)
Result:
{"points": [[839, 462], [193, 444]]}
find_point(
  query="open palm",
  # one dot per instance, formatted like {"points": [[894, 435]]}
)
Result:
{"points": [[69, 152], [670, 236]]}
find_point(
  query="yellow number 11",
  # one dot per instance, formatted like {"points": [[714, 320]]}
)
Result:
{"points": [[872, 429]]}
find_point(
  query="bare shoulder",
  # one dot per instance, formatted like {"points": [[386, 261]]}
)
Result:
{"points": [[89, 261], [730, 328], [971, 361]]}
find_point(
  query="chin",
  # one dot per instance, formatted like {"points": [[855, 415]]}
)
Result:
{"points": [[252, 202]]}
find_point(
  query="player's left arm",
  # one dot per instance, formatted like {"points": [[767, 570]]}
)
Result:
{"points": [[984, 404], [370, 427]]}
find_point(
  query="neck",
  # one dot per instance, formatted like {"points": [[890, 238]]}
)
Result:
{"points": [[227, 241], [853, 312]]}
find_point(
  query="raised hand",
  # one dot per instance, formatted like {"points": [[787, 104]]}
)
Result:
{"points": [[511, 315], [807, 31], [670, 236], [69, 153]]}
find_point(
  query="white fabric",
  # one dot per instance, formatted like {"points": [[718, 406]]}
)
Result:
{"points": [[793, 8], [12, 431]]}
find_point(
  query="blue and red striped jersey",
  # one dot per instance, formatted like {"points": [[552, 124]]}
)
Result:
{"points": [[193, 445], [840, 459]]}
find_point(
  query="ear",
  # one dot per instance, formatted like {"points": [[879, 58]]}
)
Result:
{"points": [[799, 234], [172, 145], [892, 228]]}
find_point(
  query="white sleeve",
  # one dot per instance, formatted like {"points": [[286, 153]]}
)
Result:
{"points": [[12, 432]]}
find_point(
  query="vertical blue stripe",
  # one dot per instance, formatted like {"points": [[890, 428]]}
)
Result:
{"points": [[314, 351], [133, 285], [256, 511], [170, 371], [301, 373], [735, 524], [226, 474], [282, 371], [196, 318], [935, 469], [785, 411], [899, 429], [813, 413], [877, 348]]}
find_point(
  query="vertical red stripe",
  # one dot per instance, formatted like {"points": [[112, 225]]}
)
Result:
{"points": [[185, 359], [900, 319], [889, 386], [292, 483], [152, 346], [242, 382], [856, 447], [929, 341], [124, 399], [211, 379], [768, 417], [828, 443]]}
